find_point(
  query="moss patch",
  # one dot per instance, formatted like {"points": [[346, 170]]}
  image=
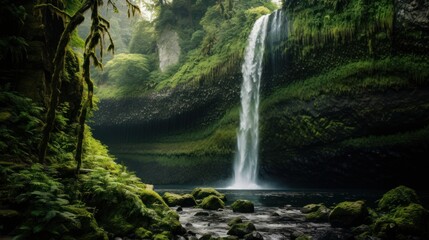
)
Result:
{"points": [[398, 197]]}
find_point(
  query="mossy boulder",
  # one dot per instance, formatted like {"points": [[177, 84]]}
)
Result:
{"points": [[309, 208], [212, 203], [201, 193], [241, 229], [410, 220], [348, 214], [400, 196], [143, 233], [234, 221], [243, 206], [172, 199], [253, 236], [163, 236], [316, 212]]}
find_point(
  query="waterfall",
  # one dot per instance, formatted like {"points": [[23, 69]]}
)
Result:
{"points": [[246, 159], [276, 34]]}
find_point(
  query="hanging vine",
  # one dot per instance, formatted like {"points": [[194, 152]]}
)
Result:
{"points": [[99, 28]]}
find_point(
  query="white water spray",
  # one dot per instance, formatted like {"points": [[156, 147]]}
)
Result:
{"points": [[246, 161]]}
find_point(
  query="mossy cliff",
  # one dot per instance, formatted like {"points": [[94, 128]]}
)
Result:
{"points": [[352, 111], [344, 101]]}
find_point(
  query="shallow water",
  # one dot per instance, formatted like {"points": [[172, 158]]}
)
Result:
{"points": [[293, 197], [277, 212]]}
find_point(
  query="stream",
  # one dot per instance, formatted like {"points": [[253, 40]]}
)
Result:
{"points": [[277, 212]]}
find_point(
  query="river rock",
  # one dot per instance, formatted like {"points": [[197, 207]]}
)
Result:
{"points": [[311, 208], [253, 236], [201, 193], [212, 203], [205, 214], [172, 199], [241, 229], [235, 221], [317, 213], [243, 206], [206, 237], [348, 214], [398, 197]]}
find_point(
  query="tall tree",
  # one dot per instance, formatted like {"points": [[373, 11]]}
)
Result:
{"points": [[99, 28]]}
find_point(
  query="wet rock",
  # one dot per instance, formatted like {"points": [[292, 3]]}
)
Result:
{"points": [[172, 199], [410, 220], [192, 238], [296, 234], [180, 238], [320, 215], [228, 238], [189, 225], [311, 208], [179, 209], [360, 229], [212, 203], [288, 207], [348, 214], [253, 236], [241, 229], [201, 193], [243, 206], [275, 214], [191, 233], [234, 221], [206, 237], [204, 214], [334, 235]]}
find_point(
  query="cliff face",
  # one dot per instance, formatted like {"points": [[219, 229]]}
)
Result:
{"points": [[335, 114]]}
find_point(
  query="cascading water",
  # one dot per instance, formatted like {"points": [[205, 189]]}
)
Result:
{"points": [[246, 160]]}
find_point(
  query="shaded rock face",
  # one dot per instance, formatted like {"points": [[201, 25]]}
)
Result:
{"points": [[412, 13], [321, 157], [168, 48], [165, 112]]}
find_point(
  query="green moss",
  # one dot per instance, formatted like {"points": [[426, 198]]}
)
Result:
{"points": [[316, 213], [241, 229], [398, 197], [220, 51], [410, 220], [413, 219], [172, 199], [356, 77], [243, 206], [143, 233], [124, 75], [304, 237], [348, 214], [212, 203], [316, 23], [201, 193], [234, 221], [404, 138]]}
